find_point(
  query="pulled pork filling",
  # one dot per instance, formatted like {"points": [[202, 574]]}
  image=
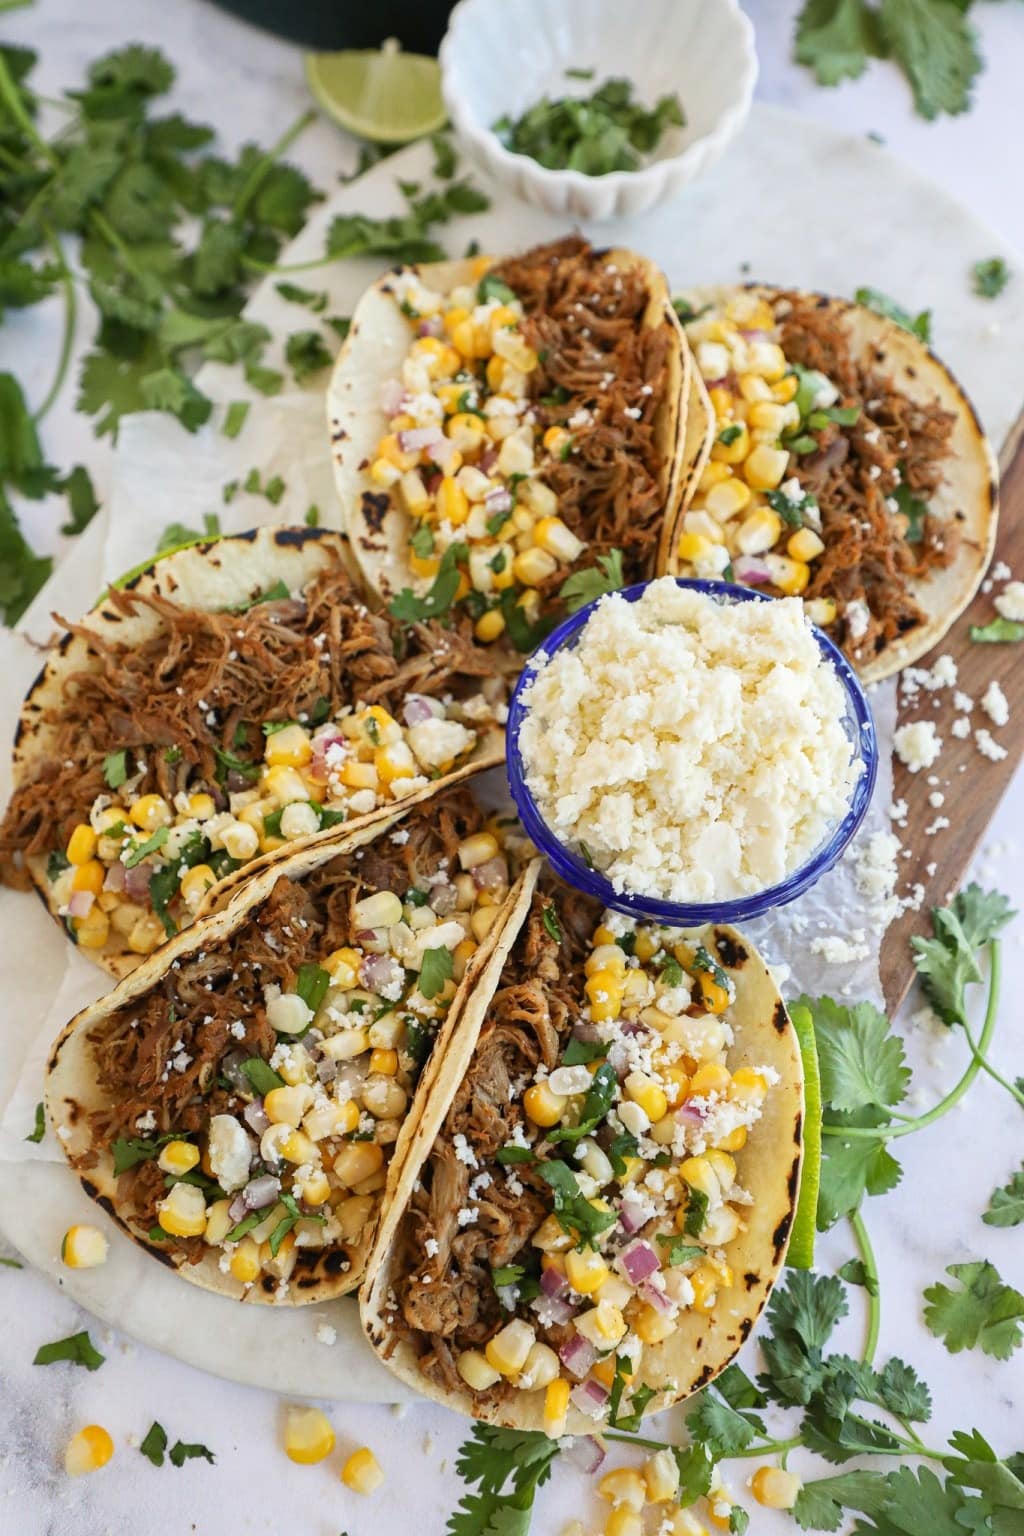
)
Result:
{"points": [[821, 472], [256, 1093], [226, 735], [581, 1194], [524, 437]]}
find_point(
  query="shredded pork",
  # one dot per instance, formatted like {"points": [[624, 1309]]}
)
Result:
{"points": [[856, 474], [204, 684], [603, 374]]}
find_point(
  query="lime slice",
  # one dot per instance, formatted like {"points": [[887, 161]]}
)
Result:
{"points": [[388, 96], [800, 1254]]}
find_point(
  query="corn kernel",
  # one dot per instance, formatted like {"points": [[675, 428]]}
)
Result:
{"points": [[713, 473], [713, 995], [342, 965], [767, 359], [652, 1326], [508, 1349], [384, 473], [694, 547], [765, 468], [477, 849], [245, 1261], [650, 1097], [452, 502], [752, 387], [297, 1148], [821, 610], [472, 1365], [87, 1451], [533, 566], [711, 1077], [555, 440], [81, 844], [556, 1406], [83, 1247], [289, 746], [362, 1472], [308, 1435], [151, 812], [88, 877], [736, 449], [551, 1237], [426, 566], [552, 535], [542, 1106], [394, 761], [286, 1106], [452, 318], [358, 1161], [623, 1521], [93, 930], [284, 785], [722, 400], [758, 532], [540, 1370], [195, 883], [661, 1475], [490, 625], [805, 545], [178, 1157], [748, 1086], [769, 416], [182, 1211], [734, 1141], [623, 1486], [385, 1062], [775, 1488], [585, 1271], [790, 576]]}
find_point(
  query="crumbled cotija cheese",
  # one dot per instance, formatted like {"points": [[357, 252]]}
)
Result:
{"points": [[1010, 603], [696, 747], [917, 745]]}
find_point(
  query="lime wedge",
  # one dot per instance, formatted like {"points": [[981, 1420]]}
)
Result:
{"points": [[386, 96], [800, 1254]]}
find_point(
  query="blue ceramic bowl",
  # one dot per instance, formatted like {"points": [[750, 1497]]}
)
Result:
{"points": [[859, 726]]}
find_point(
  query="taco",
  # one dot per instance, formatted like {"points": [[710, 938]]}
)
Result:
{"points": [[236, 699], [242, 1102], [501, 427], [848, 467], [599, 1193]]}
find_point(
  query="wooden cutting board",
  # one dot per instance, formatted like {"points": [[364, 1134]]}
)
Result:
{"points": [[971, 796]]}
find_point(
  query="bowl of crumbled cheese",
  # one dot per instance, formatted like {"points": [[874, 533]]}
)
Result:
{"points": [[691, 751]]}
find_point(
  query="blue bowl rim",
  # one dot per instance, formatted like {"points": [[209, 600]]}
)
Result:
{"points": [[578, 873]]}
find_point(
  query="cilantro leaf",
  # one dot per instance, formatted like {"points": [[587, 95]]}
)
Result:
{"points": [[855, 1272], [305, 354], [990, 277], [38, 1130], [115, 768], [679, 1251], [1006, 1207], [78, 1349], [22, 573], [696, 1211], [862, 1064], [261, 1075], [128, 1151], [598, 1101], [436, 968], [820, 1504], [140, 851], [407, 608], [983, 1311], [311, 984], [583, 587], [947, 963], [574, 1210], [553, 927], [579, 1052], [852, 1167], [507, 1466], [913, 509], [998, 632], [835, 38], [802, 1315], [936, 48], [180, 1453], [154, 1444], [872, 298], [720, 1426], [82, 504]]}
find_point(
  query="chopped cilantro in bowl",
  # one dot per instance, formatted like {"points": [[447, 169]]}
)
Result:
{"points": [[598, 133]]}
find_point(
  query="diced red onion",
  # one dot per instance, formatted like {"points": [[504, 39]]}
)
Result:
{"points": [[553, 1282], [238, 1208], [589, 1395], [577, 1355], [631, 1216], [487, 460], [431, 326], [656, 1298], [583, 1029], [80, 903], [492, 875], [756, 335], [418, 708], [553, 1309], [326, 1069], [431, 480], [255, 1117], [412, 439], [115, 876], [498, 500], [638, 1261], [392, 396], [751, 571], [381, 973], [717, 383], [136, 881], [633, 1028], [261, 1192], [690, 1114], [586, 1453], [443, 899], [373, 940]]}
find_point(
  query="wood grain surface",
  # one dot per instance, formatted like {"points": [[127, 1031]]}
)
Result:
{"points": [[971, 795]]}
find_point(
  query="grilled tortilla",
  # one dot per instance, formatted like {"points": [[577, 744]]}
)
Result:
{"points": [[241, 1104], [574, 353], [477, 1293], [159, 727], [889, 470]]}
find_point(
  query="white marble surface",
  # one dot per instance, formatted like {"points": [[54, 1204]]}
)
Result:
{"points": [[249, 85]]}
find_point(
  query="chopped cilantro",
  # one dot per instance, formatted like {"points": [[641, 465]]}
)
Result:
{"points": [[407, 608], [261, 1075], [512, 1153], [983, 1311], [56, 863], [990, 277], [180, 1453], [999, 632], [579, 1052], [583, 587], [596, 134], [132, 1150], [599, 1099], [306, 354], [575, 1212], [919, 325], [696, 1211], [38, 1130], [311, 984], [679, 1252], [551, 923], [730, 434], [78, 1349], [140, 851], [115, 769], [436, 969], [913, 509], [1006, 1207], [154, 1444], [492, 287], [234, 417]]}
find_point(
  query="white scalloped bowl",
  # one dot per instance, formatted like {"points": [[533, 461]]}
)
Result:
{"points": [[500, 56]]}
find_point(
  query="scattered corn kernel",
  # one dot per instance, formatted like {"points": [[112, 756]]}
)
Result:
{"points": [[362, 1472], [83, 1247], [87, 1451], [308, 1435], [775, 1488]]}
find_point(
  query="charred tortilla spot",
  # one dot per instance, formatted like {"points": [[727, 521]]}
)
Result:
{"points": [[798, 1130], [268, 1283], [781, 1234], [90, 1189], [746, 1324], [338, 435], [336, 1261], [376, 505], [730, 951], [750, 1279], [105, 1203], [706, 1372], [780, 1018]]}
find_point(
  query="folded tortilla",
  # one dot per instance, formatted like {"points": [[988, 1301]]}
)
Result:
{"points": [[461, 1212], [337, 650], [965, 501], [370, 366], [158, 1058]]}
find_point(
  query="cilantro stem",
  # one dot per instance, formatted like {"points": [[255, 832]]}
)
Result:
{"points": [[113, 239], [266, 163], [282, 267], [986, 1066], [10, 96], [956, 1093], [762, 1448], [14, 5], [867, 1254], [70, 321]]}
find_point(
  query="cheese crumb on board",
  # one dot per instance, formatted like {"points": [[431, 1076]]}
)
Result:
{"points": [[988, 746], [917, 745], [1010, 602], [696, 747], [994, 704]]}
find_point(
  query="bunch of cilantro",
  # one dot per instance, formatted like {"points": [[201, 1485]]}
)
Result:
{"points": [[931, 41], [134, 207]]}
